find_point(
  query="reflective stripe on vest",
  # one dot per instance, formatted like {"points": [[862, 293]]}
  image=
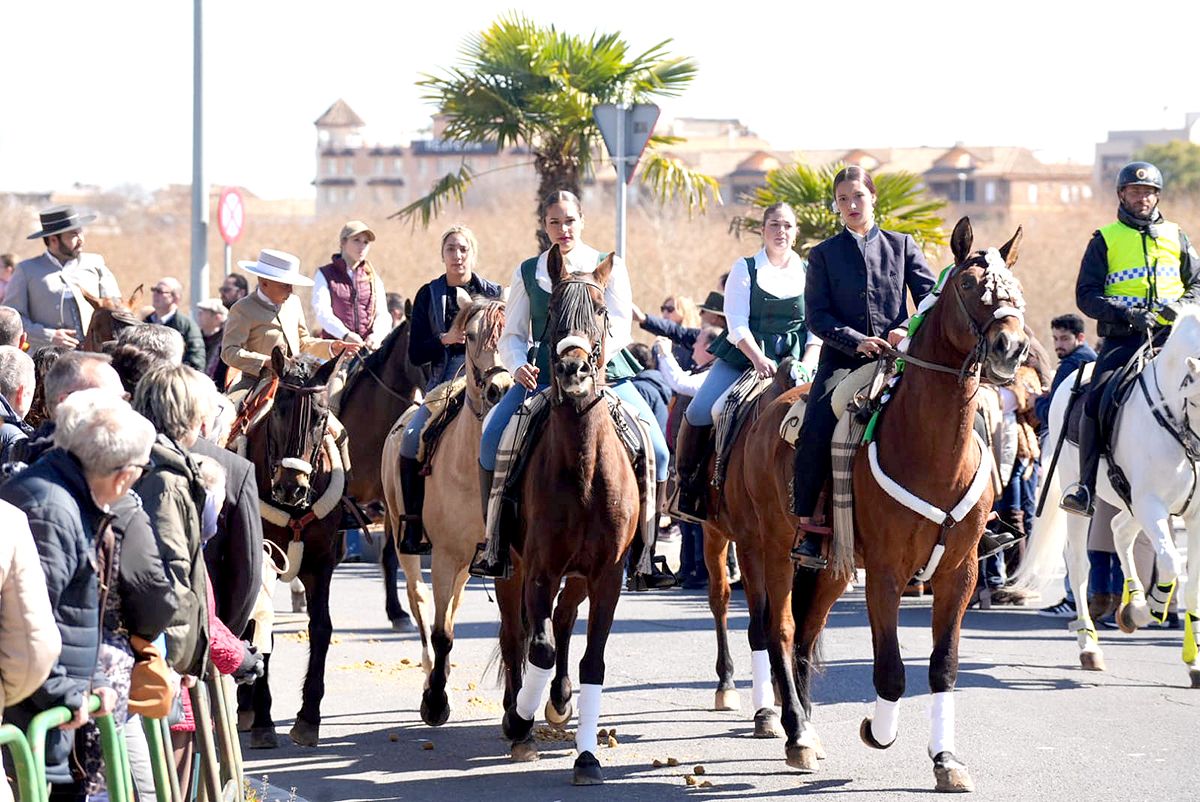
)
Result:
{"points": [[1143, 270]]}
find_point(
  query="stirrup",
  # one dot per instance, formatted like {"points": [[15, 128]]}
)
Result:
{"points": [[808, 552], [406, 544], [484, 569], [992, 543], [1069, 502]]}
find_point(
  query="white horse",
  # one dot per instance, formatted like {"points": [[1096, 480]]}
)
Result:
{"points": [[1163, 481]]}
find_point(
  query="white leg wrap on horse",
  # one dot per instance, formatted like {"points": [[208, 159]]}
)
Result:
{"points": [[941, 718], [533, 688], [589, 718], [886, 721], [760, 665]]}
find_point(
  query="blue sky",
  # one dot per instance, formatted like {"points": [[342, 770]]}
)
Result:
{"points": [[101, 92]]}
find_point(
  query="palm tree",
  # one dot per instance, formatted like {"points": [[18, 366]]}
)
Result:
{"points": [[902, 204], [525, 85]]}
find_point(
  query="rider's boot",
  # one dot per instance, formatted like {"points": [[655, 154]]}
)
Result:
{"points": [[809, 549], [1080, 498], [499, 567], [691, 461], [412, 488], [995, 541]]}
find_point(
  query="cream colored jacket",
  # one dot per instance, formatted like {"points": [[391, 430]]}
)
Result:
{"points": [[255, 328]]}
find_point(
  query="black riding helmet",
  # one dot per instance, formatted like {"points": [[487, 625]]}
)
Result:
{"points": [[1139, 173]]}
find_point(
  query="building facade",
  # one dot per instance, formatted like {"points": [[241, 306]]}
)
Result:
{"points": [[1121, 146]]}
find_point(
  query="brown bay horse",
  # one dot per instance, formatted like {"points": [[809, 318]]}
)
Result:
{"points": [[109, 316], [925, 453], [579, 513], [300, 476], [385, 386], [452, 515]]}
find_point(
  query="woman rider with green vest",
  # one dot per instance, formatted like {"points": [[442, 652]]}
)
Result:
{"points": [[764, 308], [528, 359], [1132, 269]]}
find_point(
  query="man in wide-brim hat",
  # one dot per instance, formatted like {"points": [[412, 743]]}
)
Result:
{"points": [[269, 317], [48, 290]]}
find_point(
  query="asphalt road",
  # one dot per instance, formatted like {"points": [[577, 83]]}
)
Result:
{"points": [[1031, 725]]}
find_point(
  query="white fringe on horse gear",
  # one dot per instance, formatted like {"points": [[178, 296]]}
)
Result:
{"points": [[847, 438], [735, 406], [514, 440]]}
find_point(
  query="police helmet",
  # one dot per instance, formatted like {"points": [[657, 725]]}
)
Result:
{"points": [[1139, 173]]}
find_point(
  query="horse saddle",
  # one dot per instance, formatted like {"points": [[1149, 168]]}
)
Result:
{"points": [[1114, 392], [858, 393], [444, 402]]}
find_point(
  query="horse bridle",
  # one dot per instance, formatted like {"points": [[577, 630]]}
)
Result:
{"points": [[305, 414], [596, 350], [972, 365], [479, 378]]}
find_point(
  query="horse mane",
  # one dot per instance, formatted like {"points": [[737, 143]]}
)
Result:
{"points": [[493, 319], [380, 356], [575, 310], [1184, 340]]}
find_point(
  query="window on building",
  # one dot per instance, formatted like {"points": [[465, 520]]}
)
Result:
{"points": [[348, 167], [989, 192], [1033, 194], [333, 195], [322, 137], [422, 167], [378, 166], [397, 195], [1086, 192], [349, 194], [397, 165], [331, 167], [1064, 194]]}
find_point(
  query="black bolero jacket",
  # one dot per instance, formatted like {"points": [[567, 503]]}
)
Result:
{"points": [[850, 296]]}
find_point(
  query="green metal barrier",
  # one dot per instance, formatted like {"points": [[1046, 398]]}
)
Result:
{"points": [[112, 744], [161, 763], [13, 739]]}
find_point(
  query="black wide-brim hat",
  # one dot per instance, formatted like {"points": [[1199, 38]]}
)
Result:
{"points": [[60, 219], [715, 303]]}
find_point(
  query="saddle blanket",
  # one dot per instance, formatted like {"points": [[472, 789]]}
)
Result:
{"points": [[444, 402], [517, 442]]}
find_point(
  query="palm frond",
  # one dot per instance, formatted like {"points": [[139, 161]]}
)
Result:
{"points": [[671, 180], [425, 209]]}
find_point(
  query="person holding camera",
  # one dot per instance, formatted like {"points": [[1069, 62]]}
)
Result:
{"points": [[1131, 270]]}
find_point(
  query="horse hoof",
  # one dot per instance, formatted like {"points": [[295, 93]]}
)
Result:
{"points": [[245, 720], [263, 738], [587, 770], [952, 776], [1125, 619], [556, 719], [514, 727], [803, 759], [305, 734], [727, 700], [766, 723], [1092, 661], [297, 602], [403, 623], [435, 711], [1195, 673], [868, 737], [524, 751]]}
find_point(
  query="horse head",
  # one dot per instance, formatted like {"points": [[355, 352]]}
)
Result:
{"points": [[1179, 376], [577, 325], [988, 321], [295, 429], [109, 317], [481, 320]]}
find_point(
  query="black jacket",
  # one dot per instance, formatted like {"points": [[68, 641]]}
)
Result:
{"points": [[849, 297], [147, 600], [429, 321], [1112, 319], [54, 495], [13, 429], [194, 354], [234, 554]]}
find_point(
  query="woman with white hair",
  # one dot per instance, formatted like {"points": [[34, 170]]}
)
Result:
{"points": [[102, 447]]}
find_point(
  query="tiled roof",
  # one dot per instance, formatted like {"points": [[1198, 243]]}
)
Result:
{"points": [[340, 115]]}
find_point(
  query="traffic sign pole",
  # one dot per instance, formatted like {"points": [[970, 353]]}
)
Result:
{"points": [[622, 166], [228, 260], [625, 128]]}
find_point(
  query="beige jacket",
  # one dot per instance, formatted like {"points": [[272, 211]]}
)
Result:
{"points": [[255, 328], [29, 639]]}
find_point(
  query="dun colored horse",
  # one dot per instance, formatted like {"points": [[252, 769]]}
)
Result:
{"points": [[452, 516], [385, 386], [925, 456], [579, 501], [298, 469]]}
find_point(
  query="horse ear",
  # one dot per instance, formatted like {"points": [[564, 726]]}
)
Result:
{"points": [[91, 299], [554, 264], [135, 297], [603, 271], [961, 240], [278, 361], [1008, 251], [327, 371], [1193, 366], [407, 307], [464, 297]]}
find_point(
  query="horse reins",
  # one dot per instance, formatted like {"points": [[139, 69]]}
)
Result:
{"points": [[305, 415]]}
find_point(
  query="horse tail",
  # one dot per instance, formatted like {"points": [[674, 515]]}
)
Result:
{"points": [[1044, 551]]}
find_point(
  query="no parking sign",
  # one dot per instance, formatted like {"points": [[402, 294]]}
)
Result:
{"points": [[231, 215]]}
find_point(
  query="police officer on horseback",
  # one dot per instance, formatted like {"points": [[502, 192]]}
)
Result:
{"points": [[1132, 269]]}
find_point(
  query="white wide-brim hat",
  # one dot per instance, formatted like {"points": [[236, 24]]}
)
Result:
{"points": [[277, 266]]}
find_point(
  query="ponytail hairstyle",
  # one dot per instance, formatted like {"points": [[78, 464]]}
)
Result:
{"points": [[559, 196], [853, 172], [469, 236]]}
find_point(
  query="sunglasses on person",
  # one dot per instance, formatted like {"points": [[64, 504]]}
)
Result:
{"points": [[668, 308]]}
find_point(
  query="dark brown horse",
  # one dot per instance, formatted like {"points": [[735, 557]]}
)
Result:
{"points": [[753, 513], [925, 447], [375, 397], [109, 316], [301, 481], [579, 502]]}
